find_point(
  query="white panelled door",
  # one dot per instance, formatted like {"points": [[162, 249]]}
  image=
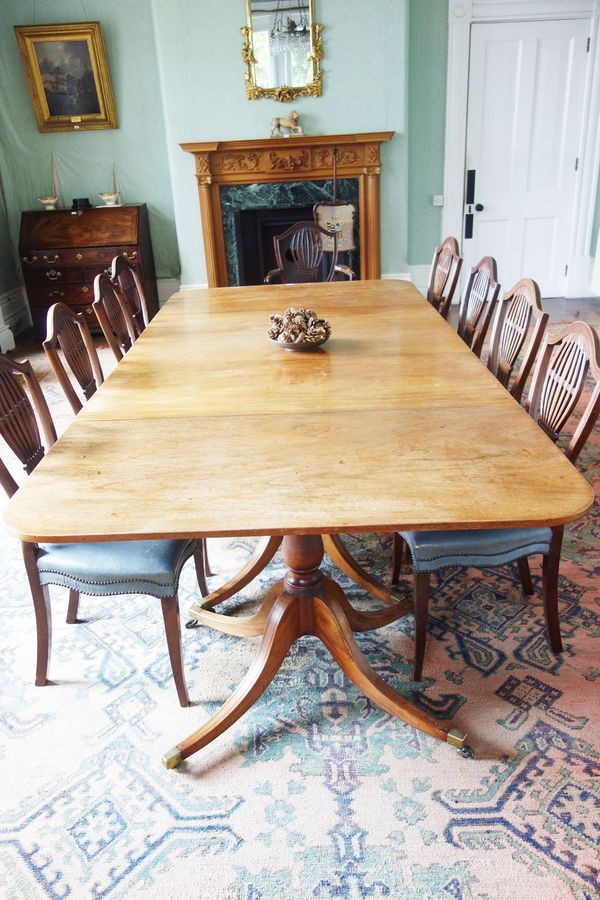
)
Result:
{"points": [[526, 84]]}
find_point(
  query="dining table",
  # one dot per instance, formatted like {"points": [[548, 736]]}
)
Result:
{"points": [[208, 428]]}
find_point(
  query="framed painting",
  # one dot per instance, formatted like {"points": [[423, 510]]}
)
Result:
{"points": [[68, 76]]}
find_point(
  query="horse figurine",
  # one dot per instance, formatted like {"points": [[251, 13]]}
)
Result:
{"points": [[289, 122]]}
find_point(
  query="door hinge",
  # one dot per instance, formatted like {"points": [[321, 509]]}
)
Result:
{"points": [[576, 163], [587, 49], [566, 270]]}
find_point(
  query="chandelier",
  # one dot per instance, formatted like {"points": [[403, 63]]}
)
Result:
{"points": [[290, 31]]}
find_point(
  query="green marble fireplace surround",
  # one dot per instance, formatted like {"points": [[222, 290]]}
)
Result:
{"points": [[277, 195]]}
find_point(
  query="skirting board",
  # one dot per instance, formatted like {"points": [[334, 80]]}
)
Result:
{"points": [[192, 287], [14, 317], [419, 275], [166, 288], [397, 276]]}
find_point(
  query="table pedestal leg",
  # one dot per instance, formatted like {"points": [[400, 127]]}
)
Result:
{"points": [[264, 552], [340, 557], [306, 602]]}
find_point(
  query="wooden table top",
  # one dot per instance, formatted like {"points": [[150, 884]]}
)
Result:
{"points": [[207, 428]]}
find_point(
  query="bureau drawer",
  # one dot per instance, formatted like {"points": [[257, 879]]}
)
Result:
{"points": [[100, 227], [54, 275], [73, 256], [96, 256], [71, 294]]}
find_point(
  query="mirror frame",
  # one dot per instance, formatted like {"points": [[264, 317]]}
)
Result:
{"points": [[285, 92]]}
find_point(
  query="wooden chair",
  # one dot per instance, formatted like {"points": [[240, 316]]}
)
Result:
{"points": [[443, 276], [567, 359], [99, 569], [126, 277], [518, 308], [299, 254], [478, 304], [68, 332], [113, 316]]}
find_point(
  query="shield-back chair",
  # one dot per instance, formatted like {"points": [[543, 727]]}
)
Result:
{"points": [[568, 358], [101, 568], [68, 332], [301, 258]]}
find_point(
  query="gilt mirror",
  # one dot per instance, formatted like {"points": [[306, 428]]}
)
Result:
{"points": [[282, 49]]}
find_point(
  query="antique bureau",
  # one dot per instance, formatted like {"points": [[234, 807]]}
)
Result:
{"points": [[63, 250]]}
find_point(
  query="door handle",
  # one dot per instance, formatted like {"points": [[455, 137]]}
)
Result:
{"points": [[479, 207], [469, 200]]}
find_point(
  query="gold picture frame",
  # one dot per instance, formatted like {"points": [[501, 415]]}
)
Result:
{"points": [[251, 57], [68, 76]]}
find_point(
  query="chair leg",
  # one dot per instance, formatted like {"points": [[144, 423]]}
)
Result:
{"points": [[421, 604], [398, 553], [43, 616], [525, 576], [170, 611], [550, 585], [199, 557], [207, 569], [73, 607]]}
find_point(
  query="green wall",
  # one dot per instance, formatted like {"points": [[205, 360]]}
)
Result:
{"points": [[427, 58], [85, 159]]}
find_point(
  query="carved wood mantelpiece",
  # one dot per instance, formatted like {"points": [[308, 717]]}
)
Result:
{"points": [[294, 158]]}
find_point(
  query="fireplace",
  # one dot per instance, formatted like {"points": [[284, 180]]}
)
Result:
{"points": [[253, 214], [297, 163]]}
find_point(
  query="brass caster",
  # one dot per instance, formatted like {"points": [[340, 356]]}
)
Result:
{"points": [[171, 758], [456, 738], [192, 623], [466, 752]]}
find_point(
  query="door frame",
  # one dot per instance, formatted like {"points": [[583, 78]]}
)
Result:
{"points": [[461, 15]]}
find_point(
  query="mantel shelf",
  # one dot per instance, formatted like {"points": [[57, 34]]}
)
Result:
{"points": [[293, 158], [293, 140]]}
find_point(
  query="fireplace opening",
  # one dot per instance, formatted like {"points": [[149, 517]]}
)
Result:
{"points": [[281, 203], [254, 233]]}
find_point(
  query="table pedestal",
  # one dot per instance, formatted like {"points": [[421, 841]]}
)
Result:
{"points": [[307, 602]]}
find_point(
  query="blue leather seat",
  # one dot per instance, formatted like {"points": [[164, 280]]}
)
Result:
{"points": [[431, 550], [115, 567]]}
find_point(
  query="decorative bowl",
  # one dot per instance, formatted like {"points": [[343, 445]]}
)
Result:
{"points": [[298, 329], [110, 198], [48, 202], [299, 346]]}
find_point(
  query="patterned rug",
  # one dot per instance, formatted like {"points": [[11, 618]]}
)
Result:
{"points": [[315, 792]]}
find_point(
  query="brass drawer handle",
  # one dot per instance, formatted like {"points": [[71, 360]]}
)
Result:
{"points": [[30, 261], [53, 275], [54, 259], [56, 294], [84, 290], [130, 256], [79, 256], [88, 310]]}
